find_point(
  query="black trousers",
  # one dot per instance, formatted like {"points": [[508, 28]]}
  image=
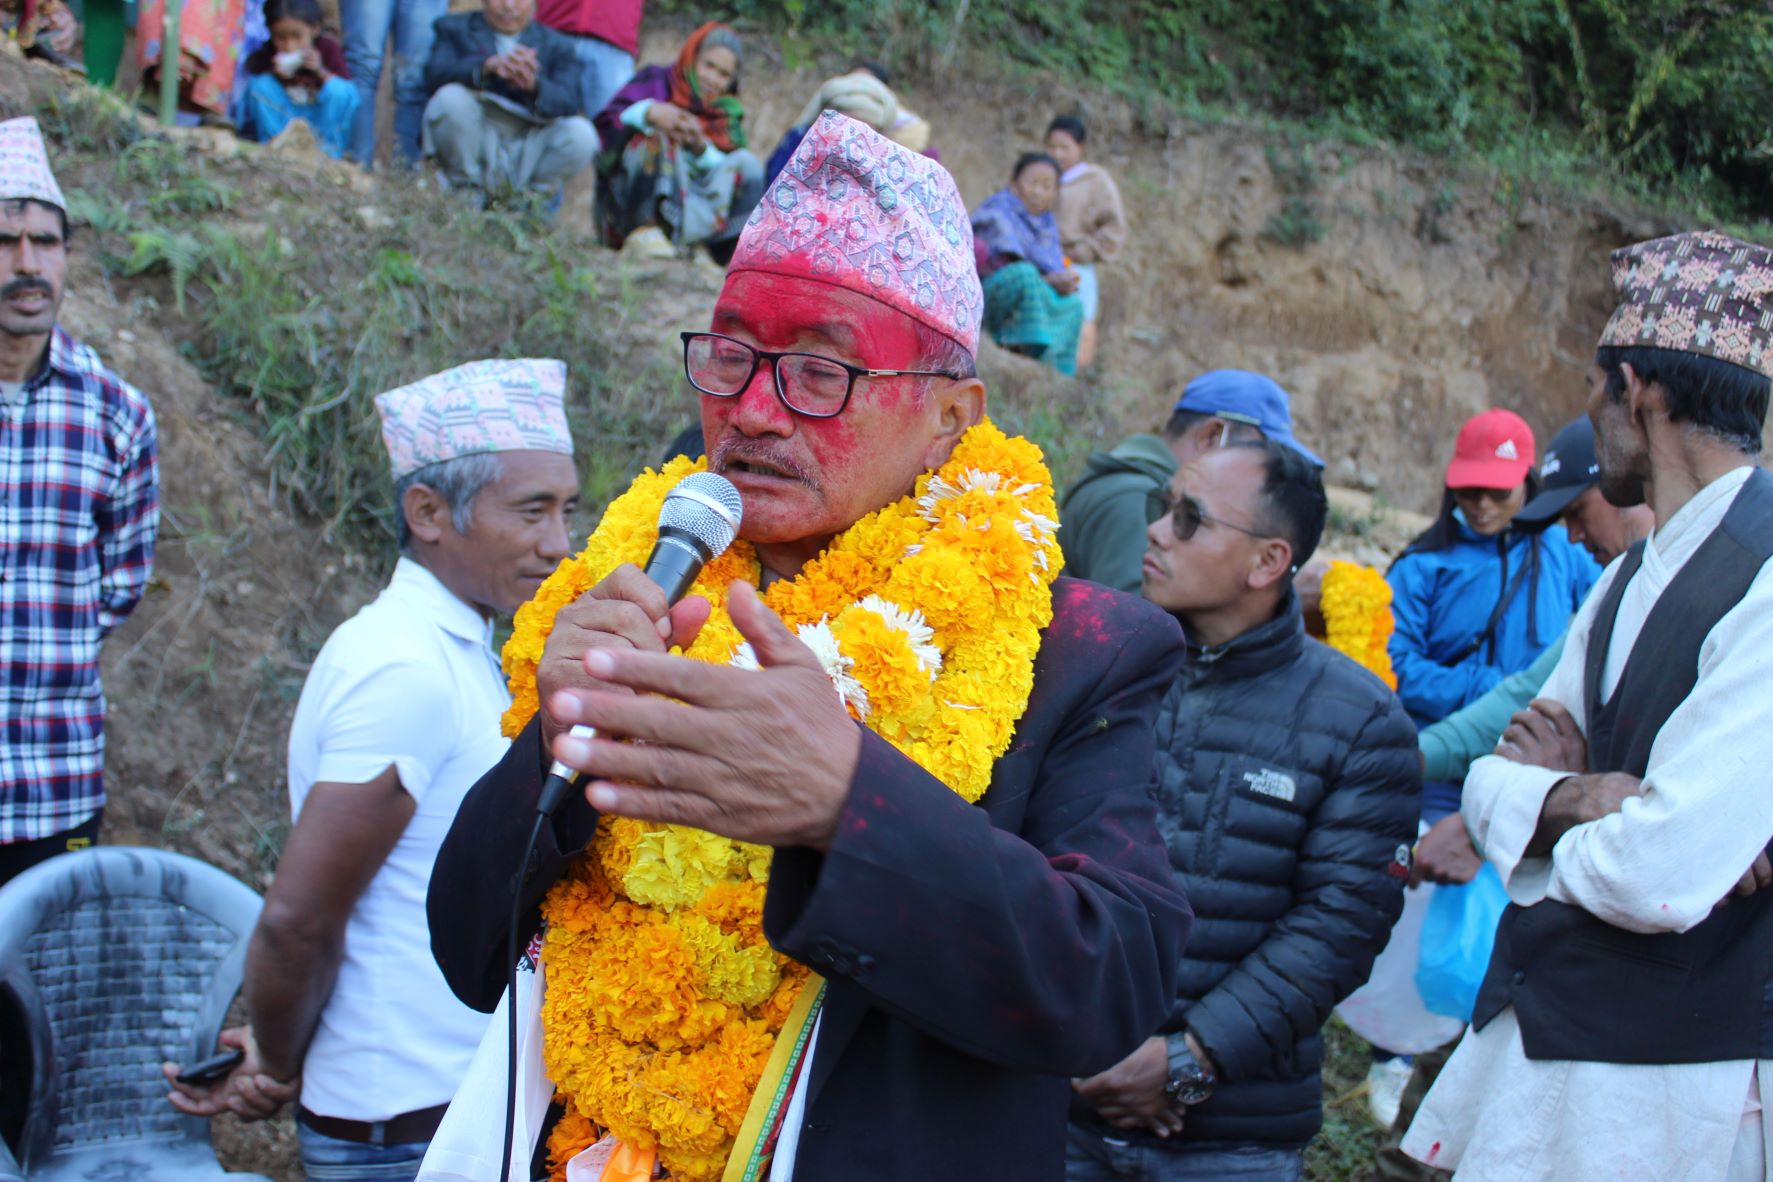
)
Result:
{"points": [[19, 856]]}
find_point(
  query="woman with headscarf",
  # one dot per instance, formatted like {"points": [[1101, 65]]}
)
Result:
{"points": [[1031, 302], [861, 96], [675, 170]]}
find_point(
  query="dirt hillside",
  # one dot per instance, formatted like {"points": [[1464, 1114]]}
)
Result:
{"points": [[1427, 296]]}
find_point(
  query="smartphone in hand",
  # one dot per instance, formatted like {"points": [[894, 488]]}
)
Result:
{"points": [[211, 1069]]}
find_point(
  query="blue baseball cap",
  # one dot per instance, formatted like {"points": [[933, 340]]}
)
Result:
{"points": [[1239, 396]]}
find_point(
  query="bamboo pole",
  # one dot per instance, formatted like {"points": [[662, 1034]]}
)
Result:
{"points": [[172, 57]]}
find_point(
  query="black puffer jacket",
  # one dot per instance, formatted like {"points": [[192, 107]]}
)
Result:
{"points": [[1288, 782]]}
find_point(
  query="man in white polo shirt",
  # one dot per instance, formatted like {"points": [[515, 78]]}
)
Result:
{"points": [[398, 718]]}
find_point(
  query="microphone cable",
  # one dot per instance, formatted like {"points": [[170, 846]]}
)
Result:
{"points": [[547, 804]]}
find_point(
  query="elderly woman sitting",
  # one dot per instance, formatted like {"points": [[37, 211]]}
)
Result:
{"points": [[861, 96], [675, 165], [1031, 305]]}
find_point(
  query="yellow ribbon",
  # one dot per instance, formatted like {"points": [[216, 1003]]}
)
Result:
{"points": [[745, 1164]]}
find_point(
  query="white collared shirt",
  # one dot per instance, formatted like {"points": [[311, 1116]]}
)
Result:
{"points": [[1659, 864], [411, 681]]}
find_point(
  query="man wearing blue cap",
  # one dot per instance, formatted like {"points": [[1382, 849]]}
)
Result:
{"points": [[1104, 514]]}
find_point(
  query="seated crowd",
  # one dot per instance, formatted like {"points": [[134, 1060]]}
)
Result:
{"points": [[516, 98]]}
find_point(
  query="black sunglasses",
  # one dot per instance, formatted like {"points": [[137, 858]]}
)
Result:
{"points": [[1186, 517]]}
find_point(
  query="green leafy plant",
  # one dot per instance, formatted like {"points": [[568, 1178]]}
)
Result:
{"points": [[1669, 93]]}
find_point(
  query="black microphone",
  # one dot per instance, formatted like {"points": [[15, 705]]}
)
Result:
{"points": [[698, 521]]}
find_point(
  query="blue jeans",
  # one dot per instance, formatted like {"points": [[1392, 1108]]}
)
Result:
{"points": [[606, 69], [1090, 1157], [367, 25], [328, 1159], [331, 114]]}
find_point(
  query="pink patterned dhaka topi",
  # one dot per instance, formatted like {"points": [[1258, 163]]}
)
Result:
{"points": [[24, 165], [1701, 292], [856, 210], [483, 406]]}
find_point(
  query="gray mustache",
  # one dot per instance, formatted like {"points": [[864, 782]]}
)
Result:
{"points": [[730, 451]]}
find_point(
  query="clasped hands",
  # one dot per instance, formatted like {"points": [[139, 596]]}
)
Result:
{"points": [[677, 125], [1133, 1094], [761, 755], [518, 67]]}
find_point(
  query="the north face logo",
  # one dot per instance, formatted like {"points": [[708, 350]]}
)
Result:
{"points": [[1271, 783], [1505, 450], [1552, 463]]}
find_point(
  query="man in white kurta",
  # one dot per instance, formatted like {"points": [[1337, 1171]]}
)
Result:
{"points": [[1660, 860]]}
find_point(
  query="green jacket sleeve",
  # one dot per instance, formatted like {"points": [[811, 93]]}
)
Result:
{"points": [[1450, 745], [1102, 531]]}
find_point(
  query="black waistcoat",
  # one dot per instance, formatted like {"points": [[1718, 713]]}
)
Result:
{"points": [[1582, 988]]}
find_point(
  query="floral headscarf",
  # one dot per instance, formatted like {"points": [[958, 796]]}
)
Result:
{"points": [[723, 120]]}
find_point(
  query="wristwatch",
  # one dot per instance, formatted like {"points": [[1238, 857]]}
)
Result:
{"points": [[1190, 1082]]}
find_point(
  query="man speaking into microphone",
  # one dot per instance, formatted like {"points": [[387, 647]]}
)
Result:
{"points": [[864, 866]]}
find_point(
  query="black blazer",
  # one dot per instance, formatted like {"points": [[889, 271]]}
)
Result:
{"points": [[978, 956], [464, 42]]}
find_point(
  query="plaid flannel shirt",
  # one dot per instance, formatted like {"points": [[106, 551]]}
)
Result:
{"points": [[79, 505]]}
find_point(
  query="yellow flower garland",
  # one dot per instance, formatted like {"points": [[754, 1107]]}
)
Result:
{"points": [[664, 999], [1356, 607]]}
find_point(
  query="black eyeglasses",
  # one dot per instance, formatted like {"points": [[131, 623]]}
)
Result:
{"points": [[1186, 517], [807, 383]]}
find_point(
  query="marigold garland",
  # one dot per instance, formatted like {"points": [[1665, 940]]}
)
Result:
{"points": [[1356, 606], [664, 999]]}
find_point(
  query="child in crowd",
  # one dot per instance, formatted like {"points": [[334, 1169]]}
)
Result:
{"points": [[1092, 222], [46, 29], [300, 74]]}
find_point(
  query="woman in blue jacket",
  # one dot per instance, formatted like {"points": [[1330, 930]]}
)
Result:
{"points": [[1476, 598]]}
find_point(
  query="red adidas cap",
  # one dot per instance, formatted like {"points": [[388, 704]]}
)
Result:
{"points": [[1495, 450]]}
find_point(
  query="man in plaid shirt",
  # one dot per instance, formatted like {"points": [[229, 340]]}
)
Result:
{"points": [[79, 503]]}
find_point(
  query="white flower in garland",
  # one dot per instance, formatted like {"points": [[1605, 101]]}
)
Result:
{"points": [[837, 666], [929, 505], [1037, 529], [919, 635]]}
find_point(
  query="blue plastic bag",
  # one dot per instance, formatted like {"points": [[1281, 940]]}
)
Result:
{"points": [[1457, 937]]}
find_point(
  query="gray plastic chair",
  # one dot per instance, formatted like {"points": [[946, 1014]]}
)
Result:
{"points": [[112, 960]]}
